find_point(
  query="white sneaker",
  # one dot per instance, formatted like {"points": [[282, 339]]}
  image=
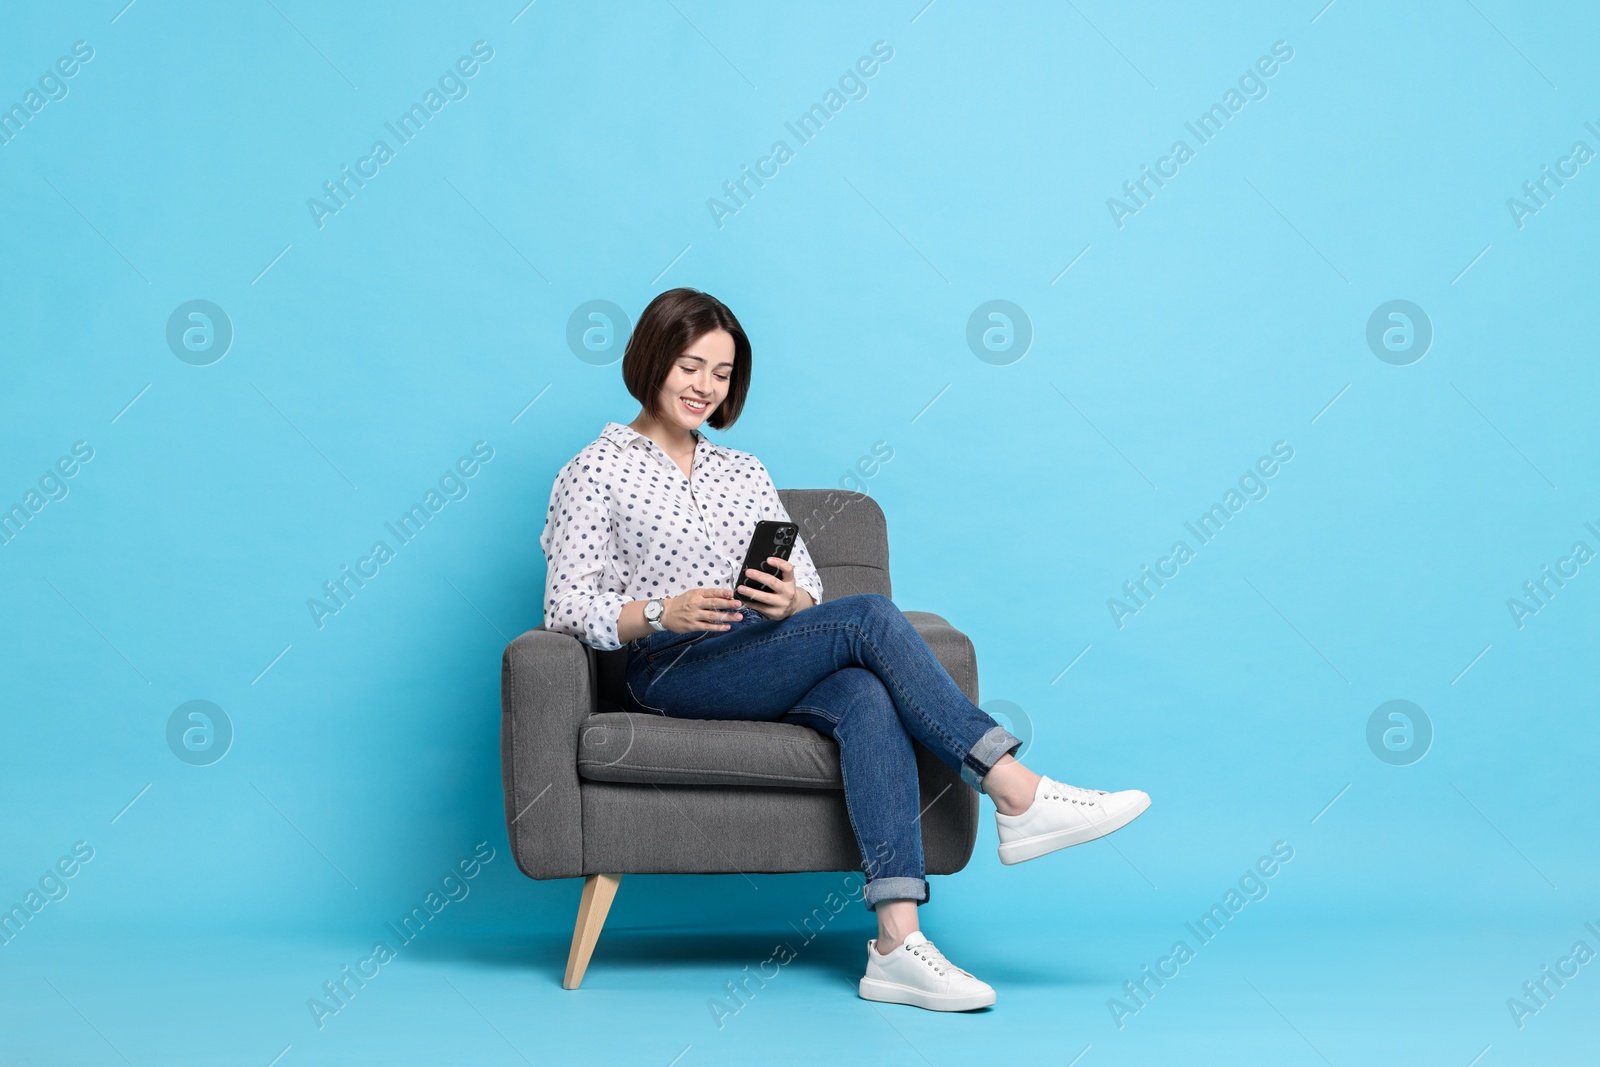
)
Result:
{"points": [[1062, 815], [916, 973]]}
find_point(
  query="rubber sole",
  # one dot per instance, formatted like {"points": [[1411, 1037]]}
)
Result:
{"points": [[1042, 844], [894, 993]]}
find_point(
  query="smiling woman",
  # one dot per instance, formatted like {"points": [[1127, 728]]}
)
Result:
{"points": [[654, 507], [670, 351], [643, 527]]}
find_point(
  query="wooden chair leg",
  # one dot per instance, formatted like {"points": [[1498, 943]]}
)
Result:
{"points": [[598, 892]]}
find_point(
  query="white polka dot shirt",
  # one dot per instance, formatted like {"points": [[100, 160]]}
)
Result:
{"points": [[625, 524]]}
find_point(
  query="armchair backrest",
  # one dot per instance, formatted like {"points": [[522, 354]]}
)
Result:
{"points": [[847, 537]]}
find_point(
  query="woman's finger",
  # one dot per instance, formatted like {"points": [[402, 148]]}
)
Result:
{"points": [[759, 594]]}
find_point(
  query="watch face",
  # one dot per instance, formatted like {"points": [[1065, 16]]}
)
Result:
{"points": [[652, 610]]}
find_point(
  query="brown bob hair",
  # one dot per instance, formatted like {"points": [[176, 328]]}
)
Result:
{"points": [[671, 323]]}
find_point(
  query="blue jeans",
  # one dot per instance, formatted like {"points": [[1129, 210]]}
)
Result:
{"points": [[853, 669]]}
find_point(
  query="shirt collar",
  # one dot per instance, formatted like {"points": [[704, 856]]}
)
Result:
{"points": [[624, 437]]}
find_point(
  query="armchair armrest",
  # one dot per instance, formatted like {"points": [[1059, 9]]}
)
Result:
{"points": [[547, 690], [950, 806], [951, 647]]}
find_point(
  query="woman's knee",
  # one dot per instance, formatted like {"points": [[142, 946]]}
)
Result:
{"points": [[867, 607], [878, 602]]}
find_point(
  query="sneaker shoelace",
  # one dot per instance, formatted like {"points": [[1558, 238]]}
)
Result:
{"points": [[1074, 794], [927, 953]]}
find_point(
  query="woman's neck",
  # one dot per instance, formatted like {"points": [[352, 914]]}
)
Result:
{"points": [[675, 441]]}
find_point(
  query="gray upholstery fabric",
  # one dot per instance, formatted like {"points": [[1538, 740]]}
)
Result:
{"points": [[686, 829], [646, 747], [546, 692], [592, 789]]}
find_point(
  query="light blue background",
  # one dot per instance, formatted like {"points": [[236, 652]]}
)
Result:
{"points": [[425, 316]]}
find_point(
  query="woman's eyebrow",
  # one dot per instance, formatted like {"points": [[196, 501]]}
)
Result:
{"points": [[702, 359]]}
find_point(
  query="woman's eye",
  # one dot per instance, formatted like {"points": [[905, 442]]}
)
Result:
{"points": [[722, 377]]}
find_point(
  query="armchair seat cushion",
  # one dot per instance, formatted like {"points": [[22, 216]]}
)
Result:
{"points": [[642, 747]]}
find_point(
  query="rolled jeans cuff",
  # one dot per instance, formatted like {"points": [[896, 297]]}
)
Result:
{"points": [[894, 888], [995, 742]]}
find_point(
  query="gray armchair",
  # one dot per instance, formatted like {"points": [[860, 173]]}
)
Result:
{"points": [[595, 791]]}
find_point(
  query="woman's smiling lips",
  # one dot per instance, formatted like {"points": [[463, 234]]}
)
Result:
{"points": [[692, 408]]}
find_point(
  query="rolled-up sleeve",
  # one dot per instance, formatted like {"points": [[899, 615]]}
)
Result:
{"points": [[579, 598], [805, 571]]}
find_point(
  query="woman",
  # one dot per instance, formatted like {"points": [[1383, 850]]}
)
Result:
{"points": [[645, 528]]}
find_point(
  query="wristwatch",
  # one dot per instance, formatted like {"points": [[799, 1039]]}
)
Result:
{"points": [[653, 610]]}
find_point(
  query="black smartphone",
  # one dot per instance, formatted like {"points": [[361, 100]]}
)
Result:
{"points": [[771, 538]]}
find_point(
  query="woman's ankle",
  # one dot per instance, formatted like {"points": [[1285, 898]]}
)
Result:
{"points": [[1010, 785], [897, 920]]}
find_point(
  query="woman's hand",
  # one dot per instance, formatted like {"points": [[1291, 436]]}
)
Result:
{"points": [[699, 609], [784, 600]]}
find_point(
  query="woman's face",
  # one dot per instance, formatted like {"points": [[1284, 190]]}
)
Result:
{"points": [[698, 381]]}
